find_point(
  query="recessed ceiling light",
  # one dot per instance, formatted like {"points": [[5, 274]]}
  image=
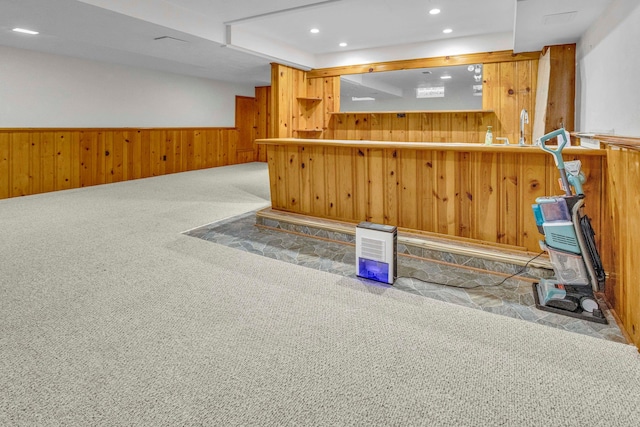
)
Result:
{"points": [[343, 44], [314, 31], [22, 30], [434, 11], [447, 30], [445, 77]]}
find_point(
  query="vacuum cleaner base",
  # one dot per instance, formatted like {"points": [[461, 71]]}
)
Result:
{"points": [[569, 309]]}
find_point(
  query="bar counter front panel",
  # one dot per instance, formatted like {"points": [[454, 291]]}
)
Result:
{"points": [[459, 190]]}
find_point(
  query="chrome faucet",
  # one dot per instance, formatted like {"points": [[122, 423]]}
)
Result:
{"points": [[524, 118]]}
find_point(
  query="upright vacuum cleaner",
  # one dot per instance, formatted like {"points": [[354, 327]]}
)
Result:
{"points": [[569, 240]]}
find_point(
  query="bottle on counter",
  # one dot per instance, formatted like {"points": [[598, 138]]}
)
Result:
{"points": [[488, 137]]}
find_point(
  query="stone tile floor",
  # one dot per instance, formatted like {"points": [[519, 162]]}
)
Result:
{"points": [[479, 290]]}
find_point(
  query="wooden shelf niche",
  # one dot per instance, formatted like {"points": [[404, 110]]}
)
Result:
{"points": [[310, 123]]}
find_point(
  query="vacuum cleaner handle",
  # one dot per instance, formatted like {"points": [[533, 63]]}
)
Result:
{"points": [[557, 155]]}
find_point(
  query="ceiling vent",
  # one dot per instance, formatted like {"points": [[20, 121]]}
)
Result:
{"points": [[559, 18], [169, 39]]}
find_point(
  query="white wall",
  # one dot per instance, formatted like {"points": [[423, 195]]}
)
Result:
{"points": [[607, 81], [43, 90]]}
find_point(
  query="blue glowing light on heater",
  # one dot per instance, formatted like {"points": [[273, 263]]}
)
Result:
{"points": [[374, 270]]}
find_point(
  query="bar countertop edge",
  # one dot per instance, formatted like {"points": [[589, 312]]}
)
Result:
{"points": [[435, 146]]}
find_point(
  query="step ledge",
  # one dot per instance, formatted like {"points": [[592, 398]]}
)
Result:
{"points": [[505, 255]]}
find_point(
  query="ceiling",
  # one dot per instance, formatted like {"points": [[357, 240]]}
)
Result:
{"points": [[235, 41]]}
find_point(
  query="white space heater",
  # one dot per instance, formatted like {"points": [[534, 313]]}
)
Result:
{"points": [[376, 252]]}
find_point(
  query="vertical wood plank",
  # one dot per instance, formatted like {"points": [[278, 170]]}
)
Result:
{"points": [[274, 181], [156, 140], [512, 205], [63, 160], [428, 192], [298, 88], [491, 94], [135, 158], [188, 151], [117, 156], [380, 127], [340, 126], [262, 120], [509, 112], [100, 176], [35, 174], [363, 127], [220, 148], [232, 138], [525, 94], [88, 158], [281, 161], [345, 167], [360, 185], [305, 180], [209, 148], [446, 190], [464, 194], [317, 180], [414, 127], [331, 190], [127, 155], [292, 178], [47, 161], [391, 186], [485, 198], [376, 185], [5, 155], [330, 102], [441, 127], [398, 126], [351, 126], [408, 194], [20, 158], [198, 143], [532, 186], [426, 123], [146, 135], [458, 127], [75, 159]]}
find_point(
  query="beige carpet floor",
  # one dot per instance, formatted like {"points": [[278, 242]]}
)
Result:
{"points": [[110, 316]]}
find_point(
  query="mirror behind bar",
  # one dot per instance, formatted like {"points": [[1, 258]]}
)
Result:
{"points": [[422, 89]]}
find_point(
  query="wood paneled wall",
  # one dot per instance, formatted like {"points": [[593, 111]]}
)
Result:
{"points": [[412, 127], [562, 88], [623, 290], [484, 194], [37, 161], [507, 89]]}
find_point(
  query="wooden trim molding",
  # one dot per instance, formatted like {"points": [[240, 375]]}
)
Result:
{"points": [[632, 143], [441, 61]]}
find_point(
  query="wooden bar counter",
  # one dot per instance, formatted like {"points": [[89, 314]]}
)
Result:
{"points": [[458, 190]]}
